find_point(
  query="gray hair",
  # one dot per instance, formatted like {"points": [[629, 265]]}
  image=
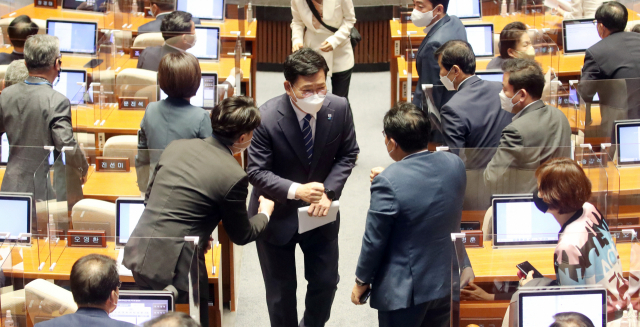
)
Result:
{"points": [[16, 72], [41, 52], [172, 319]]}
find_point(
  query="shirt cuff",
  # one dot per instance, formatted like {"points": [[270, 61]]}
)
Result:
{"points": [[291, 195]]}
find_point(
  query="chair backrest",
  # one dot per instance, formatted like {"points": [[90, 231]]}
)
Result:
{"points": [[101, 213], [123, 39], [122, 146], [148, 40], [131, 80], [47, 300]]}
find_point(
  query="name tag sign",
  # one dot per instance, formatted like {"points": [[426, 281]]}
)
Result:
{"points": [[135, 52], [45, 3], [87, 238], [593, 159], [104, 164], [133, 103], [533, 9], [472, 239]]}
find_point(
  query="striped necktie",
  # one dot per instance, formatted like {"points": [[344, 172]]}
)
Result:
{"points": [[308, 137]]}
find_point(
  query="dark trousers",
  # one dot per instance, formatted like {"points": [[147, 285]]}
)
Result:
{"points": [[340, 82], [434, 313], [279, 273]]}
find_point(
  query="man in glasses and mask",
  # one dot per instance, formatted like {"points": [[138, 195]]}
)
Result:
{"points": [[301, 155]]}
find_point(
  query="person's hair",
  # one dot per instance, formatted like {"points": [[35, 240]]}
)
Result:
{"points": [[175, 23], [509, 37], [525, 74], [563, 184], [304, 62], [613, 15], [444, 3], [93, 278], [20, 29], [179, 74], [233, 117], [164, 5], [571, 319], [172, 319], [636, 28], [16, 72], [457, 52], [408, 126], [41, 52]]}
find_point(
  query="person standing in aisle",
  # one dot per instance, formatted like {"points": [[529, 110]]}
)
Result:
{"points": [[332, 43]]}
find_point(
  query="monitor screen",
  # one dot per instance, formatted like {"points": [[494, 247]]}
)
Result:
{"points": [[207, 92], [68, 85], [494, 76], [204, 9], [75, 37], [88, 5], [465, 9], [517, 221], [481, 39], [138, 307], [128, 212], [579, 35], [16, 215], [573, 97], [628, 138], [538, 308], [208, 39]]}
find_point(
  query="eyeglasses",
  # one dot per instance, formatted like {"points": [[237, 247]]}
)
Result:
{"points": [[119, 284], [310, 93]]}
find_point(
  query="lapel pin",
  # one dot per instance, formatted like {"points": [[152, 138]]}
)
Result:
{"points": [[329, 117]]}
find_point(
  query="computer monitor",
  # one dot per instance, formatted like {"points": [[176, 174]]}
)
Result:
{"points": [[628, 140], [128, 212], [16, 216], [491, 75], [518, 222], [207, 93], [465, 9], [537, 307], [138, 307], [85, 5], [480, 36], [579, 34], [203, 9], [207, 44], [74, 36], [69, 87]]}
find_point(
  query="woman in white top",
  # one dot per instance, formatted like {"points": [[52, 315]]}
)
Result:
{"points": [[334, 47], [581, 9]]}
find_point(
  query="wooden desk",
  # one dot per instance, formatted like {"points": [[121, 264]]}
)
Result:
{"points": [[108, 186]]}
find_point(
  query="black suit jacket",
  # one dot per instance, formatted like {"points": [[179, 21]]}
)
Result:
{"points": [[7, 58], [151, 56], [85, 317], [196, 184], [277, 158], [154, 25]]}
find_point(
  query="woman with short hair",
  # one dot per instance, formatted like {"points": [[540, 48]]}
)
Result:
{"points": [[515, 42]]}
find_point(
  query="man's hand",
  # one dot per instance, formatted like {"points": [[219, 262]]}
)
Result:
{"points": [[296, 47], [474, 293], [310, 192], [266, 205], [321, 208], [357, 293], [326, 46], [374, 172], [529, 278], [466, 277]]}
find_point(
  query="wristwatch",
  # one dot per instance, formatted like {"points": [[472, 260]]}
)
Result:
{"points": [[360, 283], [330, 194]]}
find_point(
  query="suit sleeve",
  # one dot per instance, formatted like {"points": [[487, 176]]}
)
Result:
{"points": [[2, 129], [511, 145], [140, 60], [429, 74], [142, 159], [240, 228], [453, 128], [591, 69], [345, 158], [297, 25], [348, 20], [260, 166], [383, 210], [205, 127], [62, 135]]}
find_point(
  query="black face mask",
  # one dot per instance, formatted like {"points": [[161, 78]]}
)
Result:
{"points": [[541, 205]]}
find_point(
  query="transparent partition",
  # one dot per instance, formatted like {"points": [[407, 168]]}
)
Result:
{"points": [[12, 295], [591, 163]]}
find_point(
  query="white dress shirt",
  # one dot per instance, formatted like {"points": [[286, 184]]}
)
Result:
{"points": [[291, 195]]}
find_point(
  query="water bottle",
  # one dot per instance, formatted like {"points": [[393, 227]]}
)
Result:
{"points": [[51, 229], [624, 322], [8, 320], [503, 8], [512, 8]]}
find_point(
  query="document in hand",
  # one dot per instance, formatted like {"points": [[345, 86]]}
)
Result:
{"points": [[307, 223]]}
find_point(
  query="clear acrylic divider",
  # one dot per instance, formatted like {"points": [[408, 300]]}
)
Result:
{"points": [[591, 163], [43, 197], [613, 193], [12, 301]]}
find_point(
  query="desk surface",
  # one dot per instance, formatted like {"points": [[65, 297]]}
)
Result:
{"points": [[108, 186]]}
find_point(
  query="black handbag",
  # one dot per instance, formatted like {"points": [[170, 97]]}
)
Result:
{"points": [[354, 35]]}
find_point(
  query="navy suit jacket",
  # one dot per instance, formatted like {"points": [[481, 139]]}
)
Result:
{"points": [[151, 56], [473, 119], [416, 204], [84, 317], [7, 58], [446, 29], [154, 25], [277, 158]]}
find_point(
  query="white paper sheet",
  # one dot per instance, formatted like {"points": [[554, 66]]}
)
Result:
{"points": [[307, 223]]}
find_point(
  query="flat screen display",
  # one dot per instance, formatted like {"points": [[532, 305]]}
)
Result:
{"points": [[481, 39], [579, 34], [138, 307], [465, 9], [87, 5], [628, 138], [538, 308], [204, 9], [128, 213], [69, 85], [493, 76], [517, 221], [75, 37], [208, 39], [207, 92], [16, 215]]}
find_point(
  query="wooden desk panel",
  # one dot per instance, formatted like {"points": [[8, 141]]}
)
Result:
{"points": [[108, 186]]}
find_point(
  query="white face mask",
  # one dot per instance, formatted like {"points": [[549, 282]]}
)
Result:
{"points": [[310, 105], [530, 53], [506, 102], [192, 43], [239, 147], [387, 145], [447, 82], [421, 19]]}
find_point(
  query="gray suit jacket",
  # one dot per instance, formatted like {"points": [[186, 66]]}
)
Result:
{"points": [[151, 56], [541, 132], [34, 116], [85, 317], [154, 25], [196, 184]]}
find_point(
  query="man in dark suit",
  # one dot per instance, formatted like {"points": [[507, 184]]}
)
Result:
{"points": [[95, 285], [302, 154], [440, 28], [538, 132], [160, 8], [19, 30], [179, 33], [416, 203], [195, 185]]}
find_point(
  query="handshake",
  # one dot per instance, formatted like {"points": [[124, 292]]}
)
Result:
{"points": [[313, 193]]}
